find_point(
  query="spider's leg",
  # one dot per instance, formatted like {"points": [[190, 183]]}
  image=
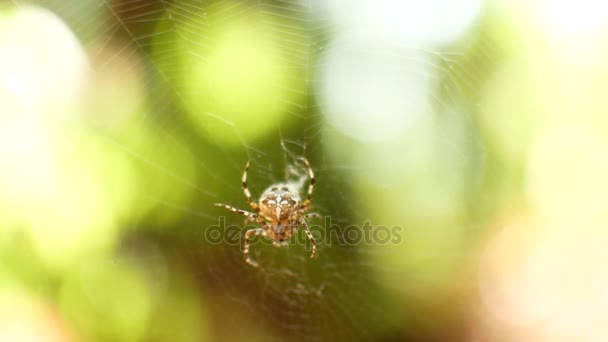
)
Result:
{"points": [[256, 231], [310, 237], [246, 190], [238, 211], [297, 213], [247, 221], [300, 213], [249, 215], [280, 244], [311, 215], [311, 185]]}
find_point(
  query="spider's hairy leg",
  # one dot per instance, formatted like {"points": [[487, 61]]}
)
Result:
{"points": [[280, 244], [247, 221], [249, 215], [300, 213], [312, 215], [238, 211], [310, 237], [255, 232], [246, 189], [311, 185]]}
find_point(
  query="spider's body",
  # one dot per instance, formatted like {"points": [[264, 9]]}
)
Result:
{"points": [[278, 202], [279, 211]]}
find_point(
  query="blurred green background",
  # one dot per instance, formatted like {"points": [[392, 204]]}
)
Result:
{"points": [[477, 130]]}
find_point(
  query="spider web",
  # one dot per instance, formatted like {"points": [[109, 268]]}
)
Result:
{"points": [[339, 294]]}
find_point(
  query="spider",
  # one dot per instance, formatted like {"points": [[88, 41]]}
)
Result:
{"points": [[279, 212]]}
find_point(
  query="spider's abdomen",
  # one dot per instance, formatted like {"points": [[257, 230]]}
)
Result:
{"points": [[278, 202]]}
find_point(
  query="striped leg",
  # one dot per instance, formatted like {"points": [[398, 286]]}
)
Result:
{"points": [[247, 221], [312, 215], [249, 215], [255, 232], [310, 237], [280, 244], [300, 214], [238, 211], [311, 185], [246, 189]]}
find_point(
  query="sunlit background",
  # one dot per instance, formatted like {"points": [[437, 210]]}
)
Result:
{"points": [[480, 129]]}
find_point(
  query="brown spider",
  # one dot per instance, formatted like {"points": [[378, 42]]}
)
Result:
{"points": [[279, 212]]}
